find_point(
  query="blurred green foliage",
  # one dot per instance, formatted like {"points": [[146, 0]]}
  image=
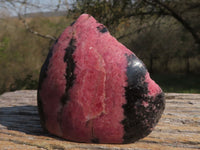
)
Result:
{"points": [[27, 83], [178, 83], [164, 34], [22, 53]]}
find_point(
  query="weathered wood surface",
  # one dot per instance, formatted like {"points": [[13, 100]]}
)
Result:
{"points": [[179, 127]]}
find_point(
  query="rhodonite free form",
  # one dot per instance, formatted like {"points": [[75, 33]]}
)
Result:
{"points": [[93, 89]]}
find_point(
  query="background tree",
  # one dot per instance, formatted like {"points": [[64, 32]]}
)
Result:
{"points": [[27, 33], [128, 19]]}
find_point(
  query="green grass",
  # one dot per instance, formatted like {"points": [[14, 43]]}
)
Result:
{"points": [[178, 83]]}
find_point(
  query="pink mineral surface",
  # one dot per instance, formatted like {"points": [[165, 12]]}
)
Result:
{"points": [[93, 89]]}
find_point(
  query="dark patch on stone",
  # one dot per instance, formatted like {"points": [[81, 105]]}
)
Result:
{"points": [[43, 72], [95, 140], [43, 75], [70, 76], [102, 29], [64, 98], [72, 23], [139, 120], [136, 71], [41, 113]]}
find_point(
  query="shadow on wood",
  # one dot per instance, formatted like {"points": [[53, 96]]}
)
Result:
{"points": [[21, 118]]}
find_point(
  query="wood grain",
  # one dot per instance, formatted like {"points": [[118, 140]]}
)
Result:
{"points": [[178, 129]]}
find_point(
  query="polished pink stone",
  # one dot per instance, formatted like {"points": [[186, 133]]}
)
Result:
{"points": [[86, 84]]}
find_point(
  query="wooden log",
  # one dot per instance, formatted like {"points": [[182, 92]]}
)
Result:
{"points": [[179, 127]]}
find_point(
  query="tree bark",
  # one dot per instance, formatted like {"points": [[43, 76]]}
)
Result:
{"points": [[151, 63], [180, 19], [187, 59]]}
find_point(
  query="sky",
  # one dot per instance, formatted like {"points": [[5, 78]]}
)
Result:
{"points": [[33, 6]]}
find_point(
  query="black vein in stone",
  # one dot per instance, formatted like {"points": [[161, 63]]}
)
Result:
{"points": [[70, 77], [139, 120], [102, 29], [43, 75]]}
